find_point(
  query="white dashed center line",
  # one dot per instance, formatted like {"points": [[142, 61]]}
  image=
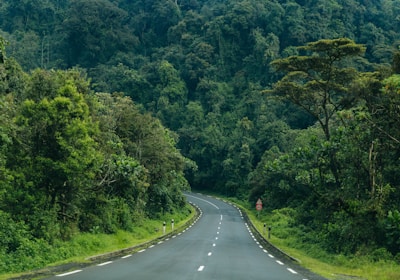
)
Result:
{"points": [[201, 268]]}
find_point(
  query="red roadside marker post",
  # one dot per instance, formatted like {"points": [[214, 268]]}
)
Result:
{"points": [[258, 207]]}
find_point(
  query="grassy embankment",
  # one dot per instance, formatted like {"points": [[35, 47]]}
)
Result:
{"points": [[83, 246], [283, 236], [337, 267]]}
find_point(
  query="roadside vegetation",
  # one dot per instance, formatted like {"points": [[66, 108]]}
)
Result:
{"points": [[37, 256], [110, 109], [301, 244]]}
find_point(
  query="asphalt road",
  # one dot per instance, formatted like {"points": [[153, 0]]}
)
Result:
{"points": [[219, 245]]}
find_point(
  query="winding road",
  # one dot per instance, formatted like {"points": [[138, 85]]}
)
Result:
{"points": [[218, 245]]}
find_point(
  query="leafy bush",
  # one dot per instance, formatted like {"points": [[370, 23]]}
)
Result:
{"points": [[380, 254], [12, 234]]}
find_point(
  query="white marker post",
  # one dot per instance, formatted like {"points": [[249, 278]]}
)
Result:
{"points": [[164, 227], [172, 224]]}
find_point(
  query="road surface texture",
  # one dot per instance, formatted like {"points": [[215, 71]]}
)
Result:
{"points": [[218, 245]]}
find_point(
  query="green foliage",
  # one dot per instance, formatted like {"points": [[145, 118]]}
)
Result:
{"points": [[94, 30], [317, 82], [194, 71], [72, 161], [392, 224], [2, 50], [29, 253]]}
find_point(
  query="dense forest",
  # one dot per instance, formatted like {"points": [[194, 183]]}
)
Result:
{"points": [[120, 105]]}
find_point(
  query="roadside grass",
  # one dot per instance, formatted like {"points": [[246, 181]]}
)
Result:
{"points": [[311, 256], [86, 245]]}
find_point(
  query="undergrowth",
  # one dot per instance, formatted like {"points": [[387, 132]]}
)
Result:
{"points": [[302, 244], [35, 254]]}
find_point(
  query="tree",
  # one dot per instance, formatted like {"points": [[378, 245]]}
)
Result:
{"points": [[2, 50], [121, 173], [238, 162], [36, 15], [121, 78], [56, 154], [6, 130], [95, 31], [323, 84], [147, 141], [319, 82], [169, 94], [12, 77]]}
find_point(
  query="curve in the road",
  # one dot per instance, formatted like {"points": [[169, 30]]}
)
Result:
{"points": [[218, 245]]}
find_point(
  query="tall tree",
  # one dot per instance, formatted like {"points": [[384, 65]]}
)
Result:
{"points": [[2, 50], [56, 153], [95, 31], [319, 82]]}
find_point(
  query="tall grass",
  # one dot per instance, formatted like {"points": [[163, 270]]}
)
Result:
{"points": [[298, 242], [37, 254]]}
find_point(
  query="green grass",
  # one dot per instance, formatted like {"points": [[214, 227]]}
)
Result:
{"points": [[311, 256], [85, 245], [283, 236]]}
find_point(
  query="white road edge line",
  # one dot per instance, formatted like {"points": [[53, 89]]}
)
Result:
{"points": [[292, 271], [127, 256], [204, 200], [279, 262], [68, 273], [104, 263]]}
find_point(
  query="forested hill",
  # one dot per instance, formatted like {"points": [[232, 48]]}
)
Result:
{"points": [[295, 102]]}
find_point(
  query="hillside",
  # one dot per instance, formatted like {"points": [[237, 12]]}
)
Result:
{"points": [[293, 102]]}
